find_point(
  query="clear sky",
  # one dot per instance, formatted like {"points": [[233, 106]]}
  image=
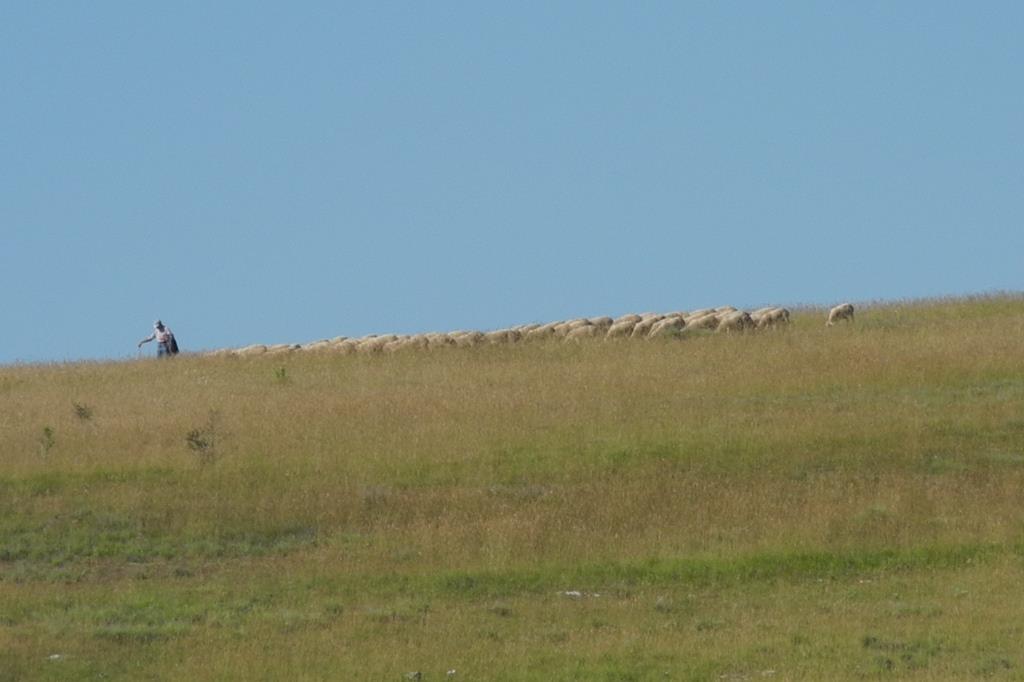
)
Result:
{"points": [[251, 173]]}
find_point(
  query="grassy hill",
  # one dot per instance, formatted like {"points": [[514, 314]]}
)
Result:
{"points": [[804, 503]]}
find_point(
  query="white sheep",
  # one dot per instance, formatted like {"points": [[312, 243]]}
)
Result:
{"points": [[468, 339], [316, 346], [280, 348], [622, 329], [735, 321], [770, 317], [375, 344], [501, 336], [435, 340], [584, 331], [562, 328], [644, 326], [542, 332], [345, 347], [630, 325], [668, 327], [843, 311], [413, 341], [704, 321]]}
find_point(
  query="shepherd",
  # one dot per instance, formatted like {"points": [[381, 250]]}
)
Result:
{"points": [[166, 345]]}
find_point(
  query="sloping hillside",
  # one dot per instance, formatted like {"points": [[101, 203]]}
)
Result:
{"points": [[803, 503]]}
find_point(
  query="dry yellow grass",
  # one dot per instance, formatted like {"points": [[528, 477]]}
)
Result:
{"points": [[361, 515]]}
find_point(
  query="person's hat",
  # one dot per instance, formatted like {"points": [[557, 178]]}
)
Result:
{"points": [[158, 323]]}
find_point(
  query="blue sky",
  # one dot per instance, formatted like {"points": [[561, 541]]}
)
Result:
{"points": [[284, 174]]}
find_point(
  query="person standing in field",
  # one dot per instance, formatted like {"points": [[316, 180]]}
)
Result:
{"points": [[166, 346]]}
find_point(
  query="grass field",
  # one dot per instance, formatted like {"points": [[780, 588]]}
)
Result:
{"points": [[806, 503]]}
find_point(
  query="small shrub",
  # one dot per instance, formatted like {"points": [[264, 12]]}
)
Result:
{"points": [[83, 412], [203, 440], [47, 440]]}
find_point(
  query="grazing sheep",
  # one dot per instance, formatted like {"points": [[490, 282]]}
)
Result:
{"points": [[843, 311], [630, 325], [468, 339], [434, 340], [499, 336], [770, 317], [496, 336], [346, 347], [316, 346], [705, 321], [281, 348], [623, 329], [644, 326], [542, 332], [667, 328], [370, 345], [414, 341], [735, 321], [375, 344], [561, 329], [584, 331]]}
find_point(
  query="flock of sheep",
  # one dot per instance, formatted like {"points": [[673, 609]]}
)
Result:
{"points": [[646, 326]]}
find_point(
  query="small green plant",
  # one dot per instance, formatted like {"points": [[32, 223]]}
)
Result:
{"points": [[83, 412], [203, 440], [47, 440], [281, 375]]}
